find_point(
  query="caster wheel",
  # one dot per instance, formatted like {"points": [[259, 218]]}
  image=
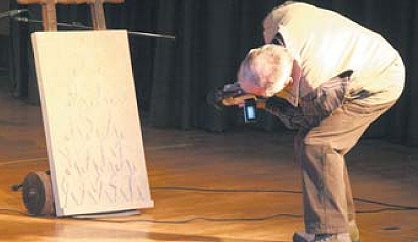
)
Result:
{"points": [[37, 194]]}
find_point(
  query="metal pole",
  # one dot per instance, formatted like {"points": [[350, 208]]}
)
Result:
{"points": [[81, 26]]}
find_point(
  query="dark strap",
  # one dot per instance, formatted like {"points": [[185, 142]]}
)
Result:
{"points": [[278, 40]]}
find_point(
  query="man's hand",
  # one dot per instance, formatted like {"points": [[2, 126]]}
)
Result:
{"points": [[232, 95], [237, 100], [240, 101], [261, 103]]}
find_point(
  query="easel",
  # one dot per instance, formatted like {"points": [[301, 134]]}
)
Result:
{"points": [[49, 13], [37, 191]]}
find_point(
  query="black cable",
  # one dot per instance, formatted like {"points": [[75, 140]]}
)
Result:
{"points": [[391, 205], [11, 210], [186, 221], [213, 220], [196, 189], [224, 220], [387, 207], [379, 210]]}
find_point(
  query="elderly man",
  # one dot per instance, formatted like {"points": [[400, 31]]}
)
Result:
{"points": [[330, 78]]}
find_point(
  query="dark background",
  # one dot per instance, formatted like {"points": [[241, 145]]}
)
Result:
{"points": [[172, 78]]}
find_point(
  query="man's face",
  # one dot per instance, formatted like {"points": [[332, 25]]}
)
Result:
{"points": [[249, 87], [262, 91]]}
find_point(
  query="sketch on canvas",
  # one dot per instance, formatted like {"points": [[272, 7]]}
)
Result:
{"points": [[91, 120]]}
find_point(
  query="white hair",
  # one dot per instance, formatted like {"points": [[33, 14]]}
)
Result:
{"points": [[266, 67]]}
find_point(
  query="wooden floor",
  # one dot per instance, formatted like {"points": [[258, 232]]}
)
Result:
{"points": [[242, 163]]}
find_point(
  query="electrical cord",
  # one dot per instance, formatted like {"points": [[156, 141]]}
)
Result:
{"points": [[198, 189], [186, 221], [225, 220], [387, 207], [11, 210]]}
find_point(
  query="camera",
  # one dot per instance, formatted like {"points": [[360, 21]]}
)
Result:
{"points": [[250, 110], [233, 95]]}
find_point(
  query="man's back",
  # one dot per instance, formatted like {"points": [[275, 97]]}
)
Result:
{"points": [[326, 43]]}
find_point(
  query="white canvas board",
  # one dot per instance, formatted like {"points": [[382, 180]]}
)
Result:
{"points": [[91, 121]]}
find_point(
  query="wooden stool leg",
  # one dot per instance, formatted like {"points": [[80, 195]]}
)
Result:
{"points": [[97, 15], [49, 16]]}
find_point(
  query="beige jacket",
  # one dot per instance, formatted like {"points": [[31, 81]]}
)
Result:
{"points": [[326, 44]]}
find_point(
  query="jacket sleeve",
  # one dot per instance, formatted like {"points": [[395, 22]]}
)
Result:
{"points": [[292, 117], [315, 106], [323, 100]]}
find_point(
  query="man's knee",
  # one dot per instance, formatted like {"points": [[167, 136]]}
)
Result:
{"points": [[310, 139]]}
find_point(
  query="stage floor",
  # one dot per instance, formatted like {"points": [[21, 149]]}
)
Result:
{"points": [[252, 187]]}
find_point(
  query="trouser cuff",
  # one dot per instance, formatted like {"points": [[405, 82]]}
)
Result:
{"points": [[317, 228]]}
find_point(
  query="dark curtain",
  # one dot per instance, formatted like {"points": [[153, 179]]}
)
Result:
{"points": [[172, 78]]}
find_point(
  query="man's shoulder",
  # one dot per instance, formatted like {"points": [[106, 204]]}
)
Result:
{"points": [[292, 9], [294, 4]]}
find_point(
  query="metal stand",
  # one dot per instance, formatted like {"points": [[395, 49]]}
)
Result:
{"points": [[36, 187]]}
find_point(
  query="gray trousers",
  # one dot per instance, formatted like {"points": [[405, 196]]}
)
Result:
{"points": [[327, 196]]}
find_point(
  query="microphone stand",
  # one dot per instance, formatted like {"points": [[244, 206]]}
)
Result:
{"points": [[12, 13], [81, 26]]}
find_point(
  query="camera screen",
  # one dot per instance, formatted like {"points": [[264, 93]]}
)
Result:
{"points": [[250, 110]]}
